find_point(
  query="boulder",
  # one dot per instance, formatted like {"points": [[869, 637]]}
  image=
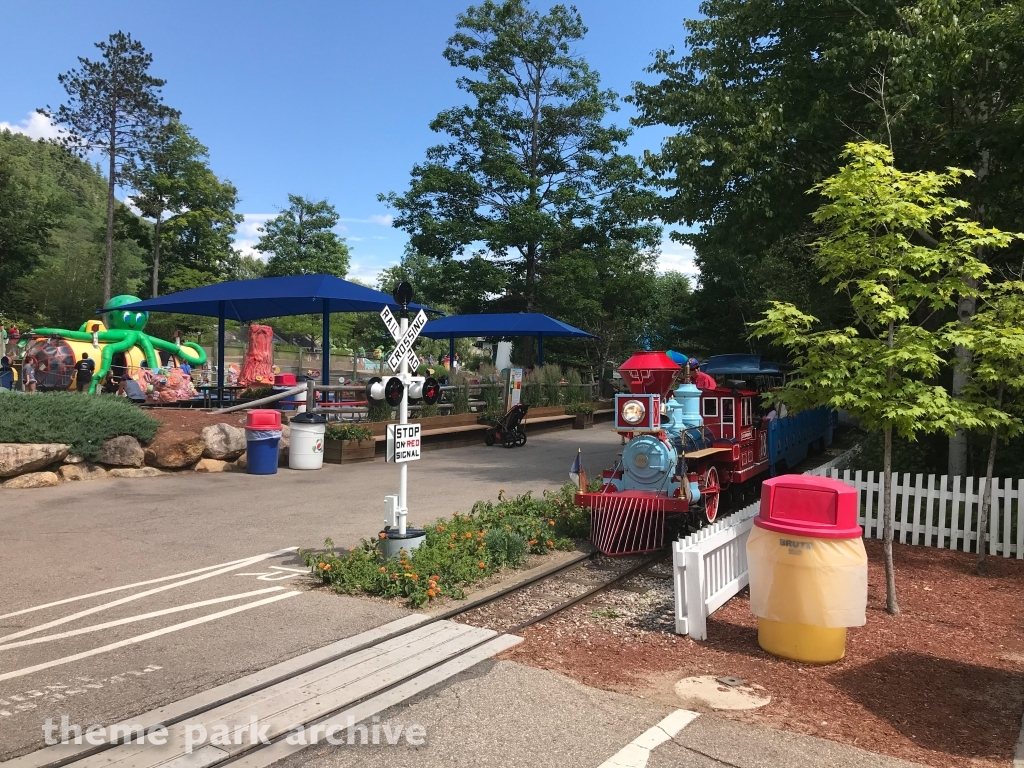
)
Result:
{"points": [[83, 471], [211, 465], [121, 451], [73, 459], [223, 442], [241, 463], [135, 472], [175, 449], [20, 458], [33, 480], [283, 445]]}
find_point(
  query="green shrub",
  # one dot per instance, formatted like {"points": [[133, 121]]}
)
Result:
{"points": [[506, 548], [458, 550], [532, 394], [426, 411], [579, 407], [82, 421], [575, 392], [460, 395], [491, 395], [343, 430], [378, 410], [550, 376], [256, 393]]}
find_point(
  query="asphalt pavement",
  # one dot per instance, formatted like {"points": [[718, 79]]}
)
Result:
{"points": [[122, 595]]}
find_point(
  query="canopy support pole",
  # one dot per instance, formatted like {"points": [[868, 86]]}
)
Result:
{"points": [[451, 355], [540, 349], [220, 354], [327, 344]]}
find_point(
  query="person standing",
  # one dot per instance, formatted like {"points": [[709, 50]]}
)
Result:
{"points": [[83, 372], [6, 373], [28, 374]]}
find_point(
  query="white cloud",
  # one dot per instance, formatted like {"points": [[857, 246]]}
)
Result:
{"points": [[363, 272], [677, 257], [35, 126], [383, 220], [247, 234]]}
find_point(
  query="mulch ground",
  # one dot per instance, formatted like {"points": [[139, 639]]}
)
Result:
{"points": [[941, 684]]}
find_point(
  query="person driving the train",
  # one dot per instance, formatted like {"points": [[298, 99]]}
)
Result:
{"points": [[700, 379]]}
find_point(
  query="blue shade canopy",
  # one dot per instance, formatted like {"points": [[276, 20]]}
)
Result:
{"points": [[750, 365], [245, 300], [507, 324]]}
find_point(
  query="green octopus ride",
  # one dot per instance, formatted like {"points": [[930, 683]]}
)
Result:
{"points": [[124, 330]]}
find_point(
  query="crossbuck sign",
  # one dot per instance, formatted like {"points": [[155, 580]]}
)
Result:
{"points": [[404, 343]]}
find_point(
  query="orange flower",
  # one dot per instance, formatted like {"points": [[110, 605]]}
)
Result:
{"points": [[551, 543], [432, 584], [531, 542], [383, 569], [482, 564], [435, 578], [451, 546], [440, 527], [469, 534], [414, 576], [382, 535], [327, 567], [431, 593], [551, 522]]}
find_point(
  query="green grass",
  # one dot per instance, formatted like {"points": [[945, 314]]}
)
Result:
{"points": [[82, 421], [458, 550]]}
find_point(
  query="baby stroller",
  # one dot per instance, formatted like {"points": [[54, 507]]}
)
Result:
{"points": [[509, 429]]}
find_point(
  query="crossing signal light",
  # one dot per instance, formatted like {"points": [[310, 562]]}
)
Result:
{"points": [[390, 390], [427, 390]]}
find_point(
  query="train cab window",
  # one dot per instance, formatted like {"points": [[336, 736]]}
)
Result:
{"points": [[710, 406], [746, 412], [728, 418]]}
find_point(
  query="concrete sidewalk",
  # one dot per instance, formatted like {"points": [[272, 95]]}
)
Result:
{"points": [[507, 714]]}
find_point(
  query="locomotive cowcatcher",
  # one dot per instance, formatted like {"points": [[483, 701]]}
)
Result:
{"points": [[685, 446]]}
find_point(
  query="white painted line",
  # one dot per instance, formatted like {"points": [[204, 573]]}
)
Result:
{"points": [[147, 636], [61, 754], [638, 752], [118, 589], [140, 617], [140, 595]]}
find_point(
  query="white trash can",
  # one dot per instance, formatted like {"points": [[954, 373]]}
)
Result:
{"points": [[306, 446]]}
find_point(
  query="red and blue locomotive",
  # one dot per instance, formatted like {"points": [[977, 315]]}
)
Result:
{"points": [[685, 446]]}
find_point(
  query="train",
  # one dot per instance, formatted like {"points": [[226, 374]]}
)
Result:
{"points": [[687, 445]]}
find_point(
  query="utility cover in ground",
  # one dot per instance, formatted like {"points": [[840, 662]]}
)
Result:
{"points": [[403, 443]]}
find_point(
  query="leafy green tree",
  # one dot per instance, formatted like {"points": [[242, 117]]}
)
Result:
{"points": [[767, 93], [995, 339], [114, 107], [301, 240], [527, 165], [172, 160], [882, 369]]}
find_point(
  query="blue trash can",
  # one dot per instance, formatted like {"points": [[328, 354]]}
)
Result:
{"points": [[261, 451]]}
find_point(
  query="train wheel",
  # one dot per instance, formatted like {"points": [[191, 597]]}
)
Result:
{"points": [[710, 490]]}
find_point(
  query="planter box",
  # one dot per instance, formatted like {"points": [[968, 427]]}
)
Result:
{"points": [[583, 421], [349, 451]]}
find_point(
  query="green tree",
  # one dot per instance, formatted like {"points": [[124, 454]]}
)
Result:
{"points": [[301, 240], [114, 107], [528, 163], [172, 160], [995, 339], [882, 369]]}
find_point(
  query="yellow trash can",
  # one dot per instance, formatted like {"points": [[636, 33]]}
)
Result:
{"points": [[807, 568]]}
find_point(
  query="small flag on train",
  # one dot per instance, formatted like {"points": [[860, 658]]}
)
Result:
{"points": [[577, 467]]}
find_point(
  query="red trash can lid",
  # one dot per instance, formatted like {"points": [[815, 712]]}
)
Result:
{"points": [[805, 505], [263, 419], [284, 380]]}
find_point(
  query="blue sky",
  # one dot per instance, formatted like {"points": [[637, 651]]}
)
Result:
{"points": [[322, 99]]}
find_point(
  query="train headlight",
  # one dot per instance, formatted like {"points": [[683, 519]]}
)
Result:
{"points": [[633, 412]]}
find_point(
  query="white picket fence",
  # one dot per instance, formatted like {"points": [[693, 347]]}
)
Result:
{"points": [[709, 567], [932, 512]]}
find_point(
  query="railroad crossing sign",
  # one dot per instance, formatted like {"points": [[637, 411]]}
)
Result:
{"points": [[404, 343]]}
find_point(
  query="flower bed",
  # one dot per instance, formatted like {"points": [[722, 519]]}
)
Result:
{"points": [[458, 550]]}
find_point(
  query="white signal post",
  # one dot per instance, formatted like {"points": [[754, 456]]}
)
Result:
{"points": [[404, 336]]}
